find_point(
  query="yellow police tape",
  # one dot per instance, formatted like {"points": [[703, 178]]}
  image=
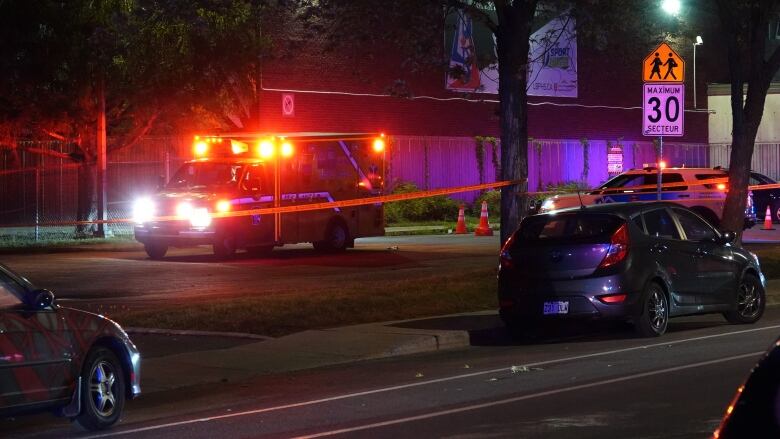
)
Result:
{"points": [[421, 194], [297, 208]]}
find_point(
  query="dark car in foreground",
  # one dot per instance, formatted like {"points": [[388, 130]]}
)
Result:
{"points": [[640, 262], [754, 412], [77, 364]]}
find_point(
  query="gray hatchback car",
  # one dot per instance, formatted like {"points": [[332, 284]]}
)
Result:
{"points": [[640, 262]]}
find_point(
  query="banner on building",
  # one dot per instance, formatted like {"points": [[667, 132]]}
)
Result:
{"points": [[552, 57]]}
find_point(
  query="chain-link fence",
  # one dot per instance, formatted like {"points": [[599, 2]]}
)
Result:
{"points": [[39, 186]]}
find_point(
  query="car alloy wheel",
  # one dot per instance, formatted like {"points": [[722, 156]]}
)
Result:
{"points": [[655, 312], [750, 301], [102, 381], [102, 390]]}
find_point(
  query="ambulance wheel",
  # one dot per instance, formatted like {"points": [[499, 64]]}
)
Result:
{"points": [[336, 239], [260, 251], [224, 247], [156, 251]]}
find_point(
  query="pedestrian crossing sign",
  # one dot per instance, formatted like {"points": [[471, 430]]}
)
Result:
{"points": [[663, 65]]}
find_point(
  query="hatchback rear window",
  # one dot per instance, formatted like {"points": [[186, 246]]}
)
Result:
{"points": [[568, 227]]}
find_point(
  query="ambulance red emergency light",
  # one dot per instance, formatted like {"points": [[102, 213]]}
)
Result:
{"points": [[203, 202]]}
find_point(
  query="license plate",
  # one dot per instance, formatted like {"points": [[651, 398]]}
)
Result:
{"points": [[558, 307]]}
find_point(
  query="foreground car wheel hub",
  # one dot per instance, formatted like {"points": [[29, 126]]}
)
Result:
{"points": [[747, 300], [101, 388], [657, 307]]}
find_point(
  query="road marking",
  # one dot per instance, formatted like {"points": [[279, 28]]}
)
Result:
{"points": [[422, 383], [525, 397]]}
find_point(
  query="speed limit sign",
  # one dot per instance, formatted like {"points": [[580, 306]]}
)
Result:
{"points": [[662, 113]]}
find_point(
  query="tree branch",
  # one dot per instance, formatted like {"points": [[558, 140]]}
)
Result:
{"points": [[35, 150], [134, 136], [53, 134], [476, 13]]}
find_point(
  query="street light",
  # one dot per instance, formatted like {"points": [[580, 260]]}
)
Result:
{"points": [[671, 7], [698, 42]]}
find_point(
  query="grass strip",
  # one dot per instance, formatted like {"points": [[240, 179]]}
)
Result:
{"points": [[354, 303]]}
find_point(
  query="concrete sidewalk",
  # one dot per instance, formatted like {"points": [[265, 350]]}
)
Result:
{"points": [[309, 349]]}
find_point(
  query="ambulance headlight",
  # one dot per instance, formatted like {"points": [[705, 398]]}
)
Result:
{"points": [[200, 218], [143, 210], [184, 210]]}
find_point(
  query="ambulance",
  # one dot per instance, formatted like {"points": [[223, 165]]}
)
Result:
{"points": [[212, 199]]}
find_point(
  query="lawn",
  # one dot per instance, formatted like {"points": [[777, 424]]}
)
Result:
{"points": [[352, 303], [769, 257]]}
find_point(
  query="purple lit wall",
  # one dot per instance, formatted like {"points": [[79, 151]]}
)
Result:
{"points": [[438, 162]]}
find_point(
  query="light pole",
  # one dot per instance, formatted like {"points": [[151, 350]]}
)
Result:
{"points": [[698, 42]]}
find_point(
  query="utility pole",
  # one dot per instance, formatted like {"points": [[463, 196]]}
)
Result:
{"points": [[102, 165]]}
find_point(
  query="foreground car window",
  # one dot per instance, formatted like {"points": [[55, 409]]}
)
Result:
{"points": [[7, 298], [568, 227], [695, 229], [659, 224]]}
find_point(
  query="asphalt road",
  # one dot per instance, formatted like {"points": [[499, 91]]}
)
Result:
{"points": [[124, 278], [583, 382]]}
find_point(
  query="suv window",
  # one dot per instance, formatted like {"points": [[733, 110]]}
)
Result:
{"points": [[758, 179], [646, 179], [659, 224], [711, 176], [694, 227]]}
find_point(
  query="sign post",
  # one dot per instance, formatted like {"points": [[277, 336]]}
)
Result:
{"points": [[663, 95]]}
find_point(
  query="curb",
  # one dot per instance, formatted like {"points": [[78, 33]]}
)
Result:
{"points": [[194, 333]]}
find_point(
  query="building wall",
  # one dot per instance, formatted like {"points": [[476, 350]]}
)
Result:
{"points": [[720, 124], [345, 92]]}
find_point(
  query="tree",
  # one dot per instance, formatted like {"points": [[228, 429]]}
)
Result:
{"points": [[745, 24], [173, 65], [416, 27]]}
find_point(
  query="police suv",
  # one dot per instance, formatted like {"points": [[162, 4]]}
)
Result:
{"points": [[701, 189]]}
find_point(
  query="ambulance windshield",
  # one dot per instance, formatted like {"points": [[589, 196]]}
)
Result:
{"points": [[202, 176]]}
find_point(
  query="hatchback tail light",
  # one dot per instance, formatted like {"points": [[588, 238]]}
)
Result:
{"points": [[505, 258], [618, 247]]}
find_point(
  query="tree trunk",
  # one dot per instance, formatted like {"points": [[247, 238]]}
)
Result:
{"points": [[744, 132], [746, 52], [512, 45], [86, 198]]}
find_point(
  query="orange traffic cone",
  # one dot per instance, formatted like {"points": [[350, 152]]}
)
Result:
{"points": [[460, 228], [484, 228], [768, 219]]}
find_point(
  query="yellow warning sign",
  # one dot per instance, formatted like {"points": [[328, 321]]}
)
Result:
{"points": [[663, 65]]}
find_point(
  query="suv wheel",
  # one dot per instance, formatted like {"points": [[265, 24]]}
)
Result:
{"points": [[224, 247], [655, 312], [751, 300], [156, 251]]}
